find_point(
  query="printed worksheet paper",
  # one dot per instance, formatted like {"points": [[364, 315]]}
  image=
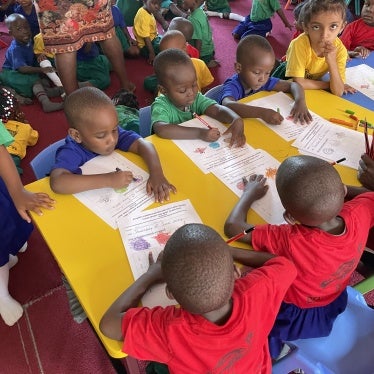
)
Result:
{"points": [[361, 77]]}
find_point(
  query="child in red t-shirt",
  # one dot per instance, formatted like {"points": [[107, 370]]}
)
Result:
{"points": [[325, 239], [222, 323]]}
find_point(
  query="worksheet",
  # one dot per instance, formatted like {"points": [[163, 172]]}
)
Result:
{"points": [[207, 155], [231, 173], [332, 142], [288, 129], [361, 77], [110, 204], [148, 231]]}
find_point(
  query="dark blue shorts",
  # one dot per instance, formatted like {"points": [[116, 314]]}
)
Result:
{"points": [[247, 27]]}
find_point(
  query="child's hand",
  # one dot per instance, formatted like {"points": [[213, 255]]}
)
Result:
{"points": [[329, 51], [133, 42], [348, 89], [366, 172], [155, 267], [360, 52], [255, 187], [210, 135], [120, 179], [48, 69], [271, 116], [160, 187], [29, 201], [237, 133], [301, 113], [289, 26], [151, 58]]}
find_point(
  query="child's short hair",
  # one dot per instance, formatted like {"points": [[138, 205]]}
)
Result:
{"points": [[12, 18], [172, 38], [183, 25], [80, 103], [313, 7], [311, 186], [126, 98], [167, 59], [198, 268], [246, 47], [297, 10]]}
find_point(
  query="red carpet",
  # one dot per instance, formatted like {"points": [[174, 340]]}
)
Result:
{"points": [[46, 339]]}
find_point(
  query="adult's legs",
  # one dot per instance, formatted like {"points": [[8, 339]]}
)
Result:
{"points": [[66, 64]]}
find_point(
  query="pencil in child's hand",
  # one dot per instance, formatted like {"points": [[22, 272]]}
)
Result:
{"points": [[202, 120], [240, 235]]}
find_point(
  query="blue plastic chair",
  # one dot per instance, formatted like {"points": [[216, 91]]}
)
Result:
{"points": [[145, 121], [42, 163], [348, 349], [215, 93]]}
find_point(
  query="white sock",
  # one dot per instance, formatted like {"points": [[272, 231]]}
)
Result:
{"points": [[236, 17], [10, 310]]}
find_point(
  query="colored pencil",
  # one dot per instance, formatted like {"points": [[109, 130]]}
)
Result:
{"points": [[240, 235], [202, 120], [342, 122], [366, 138], [338, 161]]}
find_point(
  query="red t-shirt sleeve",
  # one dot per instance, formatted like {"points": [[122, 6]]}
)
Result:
{"points": [[347, 36]]}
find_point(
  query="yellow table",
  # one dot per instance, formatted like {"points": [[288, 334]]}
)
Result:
{"points": [[91, 254]]}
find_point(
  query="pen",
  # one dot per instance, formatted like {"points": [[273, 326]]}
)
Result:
{"points": [[240, 235], [133, 179], [202, 120], [338, 161]]}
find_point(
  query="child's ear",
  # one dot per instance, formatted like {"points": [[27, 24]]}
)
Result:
{"points": [[345, 190], [168, 293], [237, 272], [74, 133], [238, 67], [161, 89]]}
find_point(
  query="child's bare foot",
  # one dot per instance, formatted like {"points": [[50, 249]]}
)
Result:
{"points": [[10, 310], [213, 64], [130, 87]]}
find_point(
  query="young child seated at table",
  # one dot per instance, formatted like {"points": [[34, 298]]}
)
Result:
{"points": [[325, 239], [186, 28], [180, 101], [358, 36], [227, 315], [93, 130], [15, 223], [254, 61], [319, 50], [20, 70]]}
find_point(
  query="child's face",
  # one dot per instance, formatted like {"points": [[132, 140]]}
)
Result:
{"points": [[324, 27], [101, 135], [181, 86], [189, 4], [20, 30], [256, 73], [152, 6], [367, 13]]}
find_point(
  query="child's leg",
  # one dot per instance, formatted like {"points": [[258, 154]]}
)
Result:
{"points": [[232, 16], [52, 76], [41, 95], [261, 28], [10, 310], [240, 29]]}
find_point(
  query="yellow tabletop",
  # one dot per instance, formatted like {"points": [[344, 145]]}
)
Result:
{"points": [[91, 254]]}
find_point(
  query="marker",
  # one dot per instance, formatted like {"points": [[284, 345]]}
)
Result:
{"points": [[133, 179], [202, 120], [349, 111], [240, 235], [338, 161]]}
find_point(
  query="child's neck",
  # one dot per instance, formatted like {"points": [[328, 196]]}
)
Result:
{"points": [[336, 226], [220, 316]]}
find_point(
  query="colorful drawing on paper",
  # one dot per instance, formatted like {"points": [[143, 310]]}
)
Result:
{"points": [[240, 185], [162, 237], [139, 244], [200, 150], [214, 145], [270, 173]]}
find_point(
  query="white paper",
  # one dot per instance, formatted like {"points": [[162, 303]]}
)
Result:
{"points": [[361, 77], [288, 130], [149, 230], [207, 155], [269, 207], [110, 204], [328, 141]]}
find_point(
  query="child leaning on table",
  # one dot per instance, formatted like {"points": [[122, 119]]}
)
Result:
{"points": [[93, 130], [254, 62], [325, 239], [319, 50], [180, 99], [227, 315], [15, 223], [358, 36]]}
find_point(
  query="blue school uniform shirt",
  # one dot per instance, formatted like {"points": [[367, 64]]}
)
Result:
{"points": [[31, 18], [18, 55], [232, 87], [118, 18], [83, 55], [72, 155]]}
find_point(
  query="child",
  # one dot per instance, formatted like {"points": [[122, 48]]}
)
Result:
{"points": [[180, 99], [202, 37], [259, 21], [27, 9], [94, 131], [325, 239], [221, 9], [254, 61], [319, 50], [145, 29], [228, 316], [19, 70], [186, 28], [129, 45], [15, 224], [358, 36]]}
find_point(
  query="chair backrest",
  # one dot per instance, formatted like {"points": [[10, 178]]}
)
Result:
{"points": [[42, 163], [348, 348], [145, 121], [215, 93]]}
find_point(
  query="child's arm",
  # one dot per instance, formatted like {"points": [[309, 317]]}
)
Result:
{"points": [[151, 51], [236, 222], [359, 52], [226, 115], [336, 82], [35, 70], [299, 111], [111, 322], [249, 257], [23, 200], [197, 44], [157, 183], [130, 40], [284, 18], [366, 172]]}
